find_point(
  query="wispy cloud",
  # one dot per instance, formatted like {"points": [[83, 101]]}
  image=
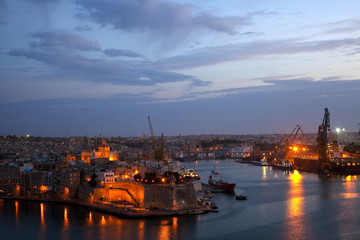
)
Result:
{"points": [[344, 26], [243, 51], [121, 53], [74, 66], [83, 28], [3, 12], [158, 15], [63, 39], [69, 106]]}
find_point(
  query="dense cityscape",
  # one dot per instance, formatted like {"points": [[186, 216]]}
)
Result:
{"points": [[137, 173], [255, 106]]}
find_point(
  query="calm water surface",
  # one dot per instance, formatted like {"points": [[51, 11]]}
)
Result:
{"points": [[280, 205]]}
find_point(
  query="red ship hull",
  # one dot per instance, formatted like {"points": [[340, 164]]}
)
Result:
{"points": [[228, 187]]}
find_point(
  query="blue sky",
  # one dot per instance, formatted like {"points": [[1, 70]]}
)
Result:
{"points": [[84, 67]]}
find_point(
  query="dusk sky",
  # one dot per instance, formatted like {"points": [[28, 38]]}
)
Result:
{"points": [[85, 67]]}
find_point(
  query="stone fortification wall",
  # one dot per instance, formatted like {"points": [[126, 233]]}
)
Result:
{"points": [[170, 196], [144, 195], [129, 191]]}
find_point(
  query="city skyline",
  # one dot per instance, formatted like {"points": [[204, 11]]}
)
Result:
{"points": [[236, 67]]}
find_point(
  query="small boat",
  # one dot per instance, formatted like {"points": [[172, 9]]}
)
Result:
{"points": [[241, 197], [215, 179]]}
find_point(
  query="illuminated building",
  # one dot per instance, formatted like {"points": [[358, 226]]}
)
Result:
{"points": [[104, 152], [105, 176]]}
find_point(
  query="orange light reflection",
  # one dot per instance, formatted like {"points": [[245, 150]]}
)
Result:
{"points": [[141, 231], [90, 220], [66, 220], [348, 204], [17, 211], [164, 231], [42, 223], [350, 187], [42, 215], [175, 226], [295, 207], [103, 220]]}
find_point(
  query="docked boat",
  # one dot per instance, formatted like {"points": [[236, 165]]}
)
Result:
{"points": [[215, 179], [241, 197], [263, 162]]}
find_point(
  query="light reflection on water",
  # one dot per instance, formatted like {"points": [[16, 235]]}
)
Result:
{"points": [[164, 231], [282, 205], [348, 206], [17, 211], [42, 228], [295, 209], [65, 230]]}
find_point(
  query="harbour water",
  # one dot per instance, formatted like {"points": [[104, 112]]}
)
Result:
{"points": [[280, 205]]}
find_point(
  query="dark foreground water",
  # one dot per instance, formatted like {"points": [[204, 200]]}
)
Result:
{"points": [[280, 206]]}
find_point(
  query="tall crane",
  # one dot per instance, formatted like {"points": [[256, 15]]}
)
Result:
{"points": [[151, 130], [158, 146], [323, 142], [289, 142]]}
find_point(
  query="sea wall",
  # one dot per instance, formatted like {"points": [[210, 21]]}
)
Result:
{"points": [[169, 196]]}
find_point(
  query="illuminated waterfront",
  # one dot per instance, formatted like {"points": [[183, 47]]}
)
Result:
{"points": [[280, 206]]}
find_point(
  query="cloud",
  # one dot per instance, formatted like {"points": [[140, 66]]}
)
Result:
{"points": [[74, 66], [121, 53], [243, 51], [3, 12], [41, 1], [63, 39], [344, 26], [166, 16], [56, 49], [84, 28], [296, 88]]}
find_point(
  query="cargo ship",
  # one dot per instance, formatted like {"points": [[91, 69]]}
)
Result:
{"points": [[215, 179], [341, 165]]}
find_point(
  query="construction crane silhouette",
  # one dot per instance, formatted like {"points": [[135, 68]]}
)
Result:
{"points": [[289, 142], [158, 145], [323, 142]]}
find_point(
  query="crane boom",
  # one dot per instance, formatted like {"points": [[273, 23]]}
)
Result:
{"points": [[323, 142], [292, 137], [151, 129]]}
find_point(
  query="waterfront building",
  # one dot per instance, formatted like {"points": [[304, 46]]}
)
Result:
{"points": [[66, 181], [105, 176], [9, 178]]}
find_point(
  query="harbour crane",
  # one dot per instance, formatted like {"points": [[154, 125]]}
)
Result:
{"points": [[288, 147], [151, 130], [158, 146], [323, 142], [289, 143]]}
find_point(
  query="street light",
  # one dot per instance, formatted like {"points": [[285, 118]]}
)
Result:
{"points": [[338, 130]]}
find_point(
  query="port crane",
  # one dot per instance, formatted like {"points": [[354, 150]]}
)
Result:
{"points": [[289, 143], [323, 142], [158, 146], [289, 147]]}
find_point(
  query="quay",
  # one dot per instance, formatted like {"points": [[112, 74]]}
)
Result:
{"points": [[121, 211]]}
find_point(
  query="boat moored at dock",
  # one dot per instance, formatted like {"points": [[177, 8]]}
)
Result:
{"points": [[215, 179]]}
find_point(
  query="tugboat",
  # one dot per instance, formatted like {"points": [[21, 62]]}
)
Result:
{"points": [[215, 179], [241, 197]]}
